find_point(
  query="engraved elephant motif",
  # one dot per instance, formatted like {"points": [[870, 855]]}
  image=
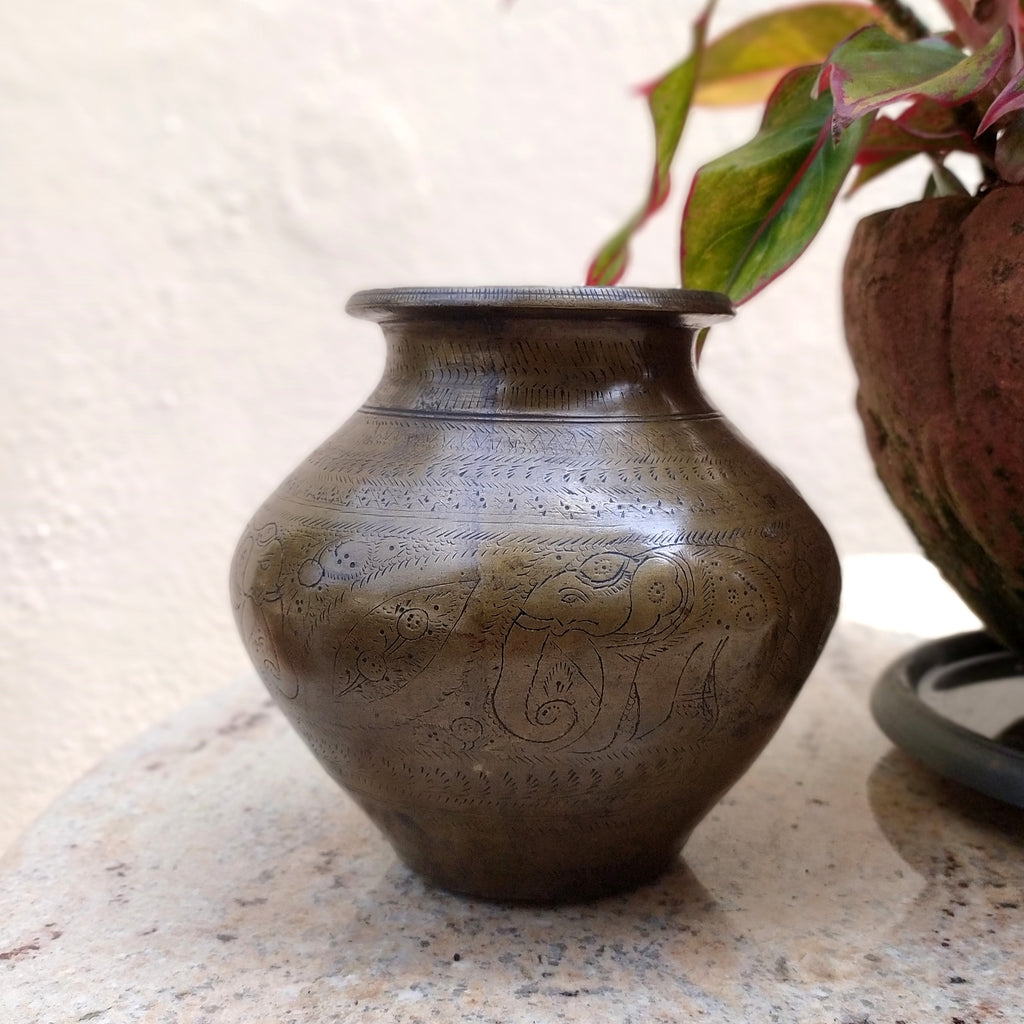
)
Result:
{"points": [[571, 658], [609, 650]]}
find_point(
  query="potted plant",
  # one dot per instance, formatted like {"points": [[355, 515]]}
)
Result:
{"points": [[934, 311]]}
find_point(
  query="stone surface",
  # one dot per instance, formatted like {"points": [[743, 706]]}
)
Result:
{"points": [[211, 872]]}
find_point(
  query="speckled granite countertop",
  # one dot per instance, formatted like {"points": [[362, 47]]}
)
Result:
{"points": [[211, 872]]}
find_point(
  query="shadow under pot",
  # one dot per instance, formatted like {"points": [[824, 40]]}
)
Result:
{"points": [[536, 606]]}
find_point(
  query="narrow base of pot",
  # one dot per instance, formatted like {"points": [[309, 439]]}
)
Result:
{"points": [[552, 884], [540, 861]]}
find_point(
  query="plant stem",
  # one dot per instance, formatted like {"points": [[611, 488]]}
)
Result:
{"points": [[903, 19]]}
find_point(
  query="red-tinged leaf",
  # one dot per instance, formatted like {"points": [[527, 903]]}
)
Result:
{"points": [[869, 171], [923, 128], [1010, 152], [871, 69], [970, 31], [975, 22], [744, 64], [1009, 100], [609, 264], [669, 100], [927, 119], [752, 212]]}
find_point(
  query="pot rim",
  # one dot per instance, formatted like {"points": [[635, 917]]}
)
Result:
{"points": [[665, 305]]}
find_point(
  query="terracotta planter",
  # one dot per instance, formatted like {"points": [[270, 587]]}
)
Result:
{"points": [[536, 606], [934, 306]]}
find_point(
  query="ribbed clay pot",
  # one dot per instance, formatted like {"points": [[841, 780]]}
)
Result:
{"points": [[934, 307], [536, 606]]}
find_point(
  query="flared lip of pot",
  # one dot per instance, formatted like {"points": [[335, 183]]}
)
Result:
{"points": [[664, 305]]}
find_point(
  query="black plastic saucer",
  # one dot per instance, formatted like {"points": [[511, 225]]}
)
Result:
{"points": [[957, 704]]}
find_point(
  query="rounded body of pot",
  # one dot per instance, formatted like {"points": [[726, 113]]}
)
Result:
{"points": [[535, 606], [934, 313]]}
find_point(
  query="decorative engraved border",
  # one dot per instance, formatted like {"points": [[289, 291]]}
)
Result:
{"points": [[693, 308]]}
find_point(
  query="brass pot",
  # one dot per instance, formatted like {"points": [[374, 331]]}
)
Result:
{"points": [[934, 312], [536, 606]]}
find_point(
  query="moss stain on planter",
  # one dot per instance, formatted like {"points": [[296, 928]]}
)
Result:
{"points": [[934, 313]]}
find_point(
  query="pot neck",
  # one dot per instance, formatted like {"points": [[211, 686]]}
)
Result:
{"points": [[539, 367]]}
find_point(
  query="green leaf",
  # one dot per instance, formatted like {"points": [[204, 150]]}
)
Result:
{"points": [[752, 212], [943, 182], [871, 69], [745, 64], [669, 100]]}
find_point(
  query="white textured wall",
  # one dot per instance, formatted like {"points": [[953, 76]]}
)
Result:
{"points": [[189, 191]]}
